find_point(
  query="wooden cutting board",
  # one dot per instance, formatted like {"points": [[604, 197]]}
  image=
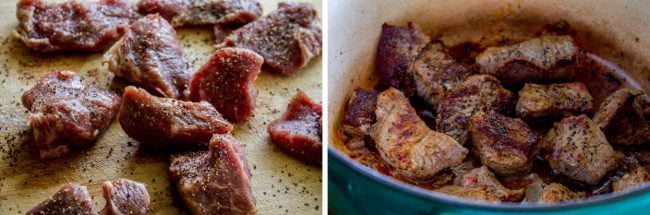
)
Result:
{"points": [[281, 184]]}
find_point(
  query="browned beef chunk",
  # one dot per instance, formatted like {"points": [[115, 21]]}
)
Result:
{"points": [[504, 144], [577, 148], [474, 193], [483, 178], [634, 178], [359, 116], [620, 116], [478, 92], [203, 12], [406, 143], [70, 199], [538, 192], [553, 100], [288, 38], [169, 123], [397, 51], [215, 181], [299, 130], [72, 25], [66, 113], [435, 72], [226, 81], [124, 196], [150, 56], [547, 58]]}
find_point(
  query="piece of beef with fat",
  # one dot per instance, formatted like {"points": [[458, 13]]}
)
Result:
{"points": [[477, 93], [577, 148], [359, 117], [215, 181], [397, 51], [169, 123], [634, 178], [226, 82], [553, 100], [124, 196], [299, 131], [436, 72], [406, 143], [70, 199], [66, 113], [547, 58], [203, 12], [149, 55], [505, 145], [89, 26], [622, 119], [288, 38]]}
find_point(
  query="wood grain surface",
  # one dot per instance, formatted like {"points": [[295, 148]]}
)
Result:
{"points": [[281, 184]]}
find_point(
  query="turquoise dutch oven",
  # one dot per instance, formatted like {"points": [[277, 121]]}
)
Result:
{"points": [[618, 31]]}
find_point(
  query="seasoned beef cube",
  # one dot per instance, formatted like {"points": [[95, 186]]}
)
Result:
{"points": [[70, 199], [406, 143], [634, 178], [66, 113], [124, 196], [397, 51], [359, 116], [203, 12], [474, 193], [299, 131], [482, 177], [226, 81], [288, 38], [478, 92], [215, 181], [538, 192], [150, 56], [72, 25], [621, 119], [547, 58], [169, 123], [435, 72], [553, 100], [504, 144], [577, 148]]}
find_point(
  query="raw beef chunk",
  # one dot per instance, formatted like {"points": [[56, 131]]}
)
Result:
{"points": [[406, 143], [124, 196], [226, 81], [621, 118], [215, 181], [150, 56], [553, 100], [73, 25], [577, 148], [397, 51], [547, 58], [70, 199], [359, 116], [634, 178], [478, 92], [435, 72], [504, 144], [299, 131], [67, 113], [287, 38], [203, 12], [169, 123]]}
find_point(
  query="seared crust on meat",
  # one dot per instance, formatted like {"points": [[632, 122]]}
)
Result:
{"points": [[406, 143], [553, 100], [478, 92], [577, 148], [621, 118], [538, 59], [482, 177], [435, 72], [359, 116]]}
